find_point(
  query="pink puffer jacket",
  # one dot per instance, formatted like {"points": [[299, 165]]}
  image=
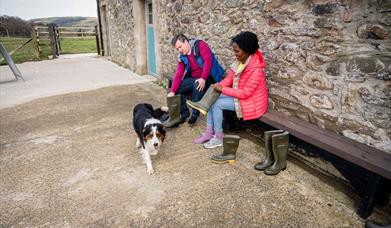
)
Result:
{"points": [[252, 91]]}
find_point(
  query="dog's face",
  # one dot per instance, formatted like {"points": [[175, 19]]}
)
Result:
{"points": [[153, 135]]}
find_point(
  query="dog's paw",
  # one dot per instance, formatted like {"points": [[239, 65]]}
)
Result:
{"points": [[150, 171], [138, 144], [153, 153]]}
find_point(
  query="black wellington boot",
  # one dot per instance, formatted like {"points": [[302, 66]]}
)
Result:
{"points": [[174, 109], [280, 143], [269, 158], [206, 101], [230, 144]]}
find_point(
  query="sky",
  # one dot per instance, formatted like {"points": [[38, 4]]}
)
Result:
{"points": [[29, 9]]}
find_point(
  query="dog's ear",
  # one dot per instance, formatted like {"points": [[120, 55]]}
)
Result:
{"points": [[162, 131], [145, 132]]}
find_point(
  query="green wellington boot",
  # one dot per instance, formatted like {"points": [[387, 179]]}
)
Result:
{"points": [[206, 101], [230, 144], [280, 143], [269, 158], [174, 111], [373, 224]]}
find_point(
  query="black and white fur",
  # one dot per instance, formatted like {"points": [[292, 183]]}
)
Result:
{"points": [[150, 131]]}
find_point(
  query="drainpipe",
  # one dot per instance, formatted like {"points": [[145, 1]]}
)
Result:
{"points": [[100, 28]]}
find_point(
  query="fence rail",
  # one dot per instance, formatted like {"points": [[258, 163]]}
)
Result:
{"points": [[69, 32], [55, 34]]}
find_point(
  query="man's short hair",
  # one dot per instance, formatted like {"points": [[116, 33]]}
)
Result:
{"points": [[179, 37]]}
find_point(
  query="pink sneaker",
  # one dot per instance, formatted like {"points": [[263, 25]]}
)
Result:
{"points": [[208, 134]]}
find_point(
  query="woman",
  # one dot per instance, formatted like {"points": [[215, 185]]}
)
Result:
{"points": [[243, 90]]}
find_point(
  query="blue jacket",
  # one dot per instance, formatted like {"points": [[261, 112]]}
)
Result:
{"points": [[216, 70]]}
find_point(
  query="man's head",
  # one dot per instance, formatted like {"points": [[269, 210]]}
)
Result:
{"points": [[181, 43]]}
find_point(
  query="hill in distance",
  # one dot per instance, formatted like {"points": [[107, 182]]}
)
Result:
{"points": [[67, 21]]}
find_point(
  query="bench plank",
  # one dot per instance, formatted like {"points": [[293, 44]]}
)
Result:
{"points": [[358, 153]]}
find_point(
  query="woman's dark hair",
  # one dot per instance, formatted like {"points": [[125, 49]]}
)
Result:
{"points": [[179, 37], [247, 41]]}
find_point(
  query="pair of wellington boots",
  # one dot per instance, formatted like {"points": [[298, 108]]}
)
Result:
{"points": [[206, 101], [276, 151], [230, 146], [174, 112]]}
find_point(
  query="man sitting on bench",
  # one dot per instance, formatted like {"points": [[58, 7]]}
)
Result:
{"points": [[197, 70]]}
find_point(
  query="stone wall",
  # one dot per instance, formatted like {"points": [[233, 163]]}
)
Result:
{"points": [[121, 31], [328, 62]]}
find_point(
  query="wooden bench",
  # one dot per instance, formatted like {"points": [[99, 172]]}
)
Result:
{"points": [[366, 168]]}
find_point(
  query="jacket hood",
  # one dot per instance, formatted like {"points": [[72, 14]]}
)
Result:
{"points": [[257, 60]]}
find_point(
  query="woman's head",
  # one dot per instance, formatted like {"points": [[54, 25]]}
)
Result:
{"points": [[244, 44]]}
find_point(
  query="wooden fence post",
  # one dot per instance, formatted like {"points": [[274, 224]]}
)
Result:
{"points": [[97, 40], [53, 34], [35, 38], [57, 32]]}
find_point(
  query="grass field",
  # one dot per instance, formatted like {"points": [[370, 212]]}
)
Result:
{"points": [[68, 46]]}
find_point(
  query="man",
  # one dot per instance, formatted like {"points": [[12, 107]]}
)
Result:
{"points": [[197, 70]]}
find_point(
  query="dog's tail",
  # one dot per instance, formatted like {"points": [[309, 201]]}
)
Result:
{"points": [[161, 113], [164, 109]]}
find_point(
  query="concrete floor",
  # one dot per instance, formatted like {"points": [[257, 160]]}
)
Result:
{"points": [[69, 73], [69, 160]]}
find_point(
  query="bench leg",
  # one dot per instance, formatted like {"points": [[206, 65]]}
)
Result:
{"points": [[369, 199]]}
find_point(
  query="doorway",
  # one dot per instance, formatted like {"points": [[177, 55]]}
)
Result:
{"points": [[105, 31], [151, 51]]}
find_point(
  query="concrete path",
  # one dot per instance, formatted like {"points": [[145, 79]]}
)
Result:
{"points": [[69, 73], [70, 161]]}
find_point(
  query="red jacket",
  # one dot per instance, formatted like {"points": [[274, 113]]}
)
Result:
{"points": [[252, 91]]}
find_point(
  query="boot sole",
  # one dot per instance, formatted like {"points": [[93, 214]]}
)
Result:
{"points": [[222, 162], [203, 112], [260, 169], [213, 147], [272, 174]]}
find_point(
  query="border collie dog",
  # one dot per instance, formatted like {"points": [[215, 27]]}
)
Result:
{"points": [[150, 131]]}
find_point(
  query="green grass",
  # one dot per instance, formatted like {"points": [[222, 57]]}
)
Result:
{"points": [[78, 45], [68, 46]]}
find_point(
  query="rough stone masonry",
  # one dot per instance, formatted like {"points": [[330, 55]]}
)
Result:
{"points": [[328, 61]]}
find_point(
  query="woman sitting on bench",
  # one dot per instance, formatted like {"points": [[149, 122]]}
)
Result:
{"points": [[243, 90]]}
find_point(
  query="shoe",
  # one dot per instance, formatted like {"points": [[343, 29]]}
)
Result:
{"points": [[213, 143], [174, 108], [231, 143], [184, 118], [192, 120], [269, 158], [208, 134], [280, 143], [164, 117], [206, 101]]}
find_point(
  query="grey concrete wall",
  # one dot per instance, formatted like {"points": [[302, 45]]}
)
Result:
{"points": [[328, 62]]}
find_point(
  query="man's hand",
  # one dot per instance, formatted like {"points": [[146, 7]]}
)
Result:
{"points": [[170, 94], [201, 84], [218, 87]]}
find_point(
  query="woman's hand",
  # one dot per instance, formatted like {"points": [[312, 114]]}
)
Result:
{"points": [[218, 87], [170, 94]]}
